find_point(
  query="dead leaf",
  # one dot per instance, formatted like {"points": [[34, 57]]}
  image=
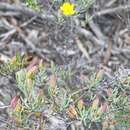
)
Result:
{"points": [[4, 58], [95, 103], [109, 92], [100, 74], [105, 124], [104, 107], [53, 84], [71, 111], [127, 38], [34, 62]]}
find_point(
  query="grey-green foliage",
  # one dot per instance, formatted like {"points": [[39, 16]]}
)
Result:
{"points": [[22, 82], [40, 77], [6, 69], [12, 66], [85, 4], [32, 100], [33, 4]]}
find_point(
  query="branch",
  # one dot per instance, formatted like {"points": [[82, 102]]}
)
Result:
{"points": [[112, 10], [23, 10]]}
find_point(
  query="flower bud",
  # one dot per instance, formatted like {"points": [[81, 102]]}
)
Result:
{"points": [[80, 104], [14, 101]]}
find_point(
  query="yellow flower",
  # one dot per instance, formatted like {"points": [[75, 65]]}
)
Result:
{"points": [[68, 9]]}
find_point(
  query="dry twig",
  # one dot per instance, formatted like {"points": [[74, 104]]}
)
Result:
{"points": [[112, 10], [83, 50]]}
